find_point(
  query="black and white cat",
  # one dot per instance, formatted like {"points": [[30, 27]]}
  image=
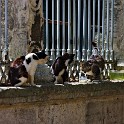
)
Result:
{"points": [[59, 68], [23, 68]]}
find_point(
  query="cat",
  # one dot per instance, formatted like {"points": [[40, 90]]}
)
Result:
{"points": [[23, 68], [59, 68]]}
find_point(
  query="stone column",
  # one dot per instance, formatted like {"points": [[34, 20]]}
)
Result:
{"points": [[119, 29], [18, 19], [24, 17]]}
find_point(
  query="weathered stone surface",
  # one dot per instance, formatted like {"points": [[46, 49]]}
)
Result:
{"points": [[43, 75], [18, 30], [7, 116], [67, 104], [119, 29], [21, 18]]}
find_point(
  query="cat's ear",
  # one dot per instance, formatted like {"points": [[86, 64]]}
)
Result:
{"points": [[35, 57], [22, 57]]}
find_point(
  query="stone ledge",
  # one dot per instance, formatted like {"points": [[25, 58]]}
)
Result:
{"points": [[13, 95]]}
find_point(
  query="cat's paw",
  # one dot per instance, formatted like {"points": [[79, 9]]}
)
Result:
{"points": [[33, 84]]}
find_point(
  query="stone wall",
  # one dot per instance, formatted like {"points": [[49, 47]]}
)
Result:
{"points": [[69, 104], [119, 29]]}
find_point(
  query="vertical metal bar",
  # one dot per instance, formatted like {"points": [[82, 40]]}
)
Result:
{"points": [[112, 28], [78, 35], [47, 29], [0, 33], [89, 29], [74, 27], [103, 27], [94, 6], [98, 25], [107, 35], [69, 26], [84, 30], [53, 39], [58, 28], [5, 52], [6, 24], [63, 27]]}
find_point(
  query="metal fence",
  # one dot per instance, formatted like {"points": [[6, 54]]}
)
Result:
{"points": [[71, 26], [4, 58]]}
